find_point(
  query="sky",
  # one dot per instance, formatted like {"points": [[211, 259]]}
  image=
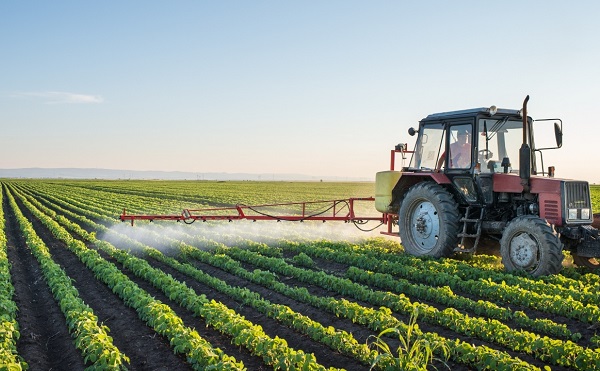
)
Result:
{"points": [[323, 88]]}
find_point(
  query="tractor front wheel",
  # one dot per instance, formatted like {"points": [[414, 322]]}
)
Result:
{"points": [[428, 221], [529, 243]]}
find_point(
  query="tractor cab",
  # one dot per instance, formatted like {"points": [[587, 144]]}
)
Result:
{"points": [[469, 146], [481, 140], [464, 141]]}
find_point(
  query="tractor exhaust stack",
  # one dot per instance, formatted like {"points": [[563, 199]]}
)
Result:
{"points": [[525, 151]]}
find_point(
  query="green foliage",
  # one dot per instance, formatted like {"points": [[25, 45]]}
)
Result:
{"points": [[90, 338], [595, 196], [94, 345], [414, 352], [472, 298], [303, 260], [9, 327]]}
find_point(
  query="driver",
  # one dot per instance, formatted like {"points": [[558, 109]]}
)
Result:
{"points": [[460, 151]]}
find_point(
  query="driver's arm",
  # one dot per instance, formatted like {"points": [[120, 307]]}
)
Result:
{"points": [[441, 161]]}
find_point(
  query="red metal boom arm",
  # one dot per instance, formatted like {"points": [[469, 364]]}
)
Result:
{"points": [[334, 210]]}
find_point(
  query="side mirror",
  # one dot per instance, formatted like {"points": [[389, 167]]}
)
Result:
{"points": [[558, 135], [412, 132]]}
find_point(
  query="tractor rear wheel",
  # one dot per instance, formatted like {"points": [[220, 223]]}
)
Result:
{"points": [[583, 261], [529, 243], [428, 221]]}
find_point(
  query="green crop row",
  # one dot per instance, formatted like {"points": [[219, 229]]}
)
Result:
{"points": [[338, 340], [477, 283], [439, 294], [9, 327], [335, 339], [200, 353], [90, 338], [376, 319], [444, 295], [564, 353], [274, 352], [552, 285]]}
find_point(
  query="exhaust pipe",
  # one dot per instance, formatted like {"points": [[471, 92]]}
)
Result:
{"points": [[525, 151]]}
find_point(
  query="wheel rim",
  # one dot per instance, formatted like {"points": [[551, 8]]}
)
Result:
{"points": [[424, 226], [583, 261], [523, 251]]}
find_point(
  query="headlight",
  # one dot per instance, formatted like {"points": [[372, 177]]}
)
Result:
{"points": [[585, 213], [572, 214]]}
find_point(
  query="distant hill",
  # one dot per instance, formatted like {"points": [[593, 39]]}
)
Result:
{"points": [[75, 173]]}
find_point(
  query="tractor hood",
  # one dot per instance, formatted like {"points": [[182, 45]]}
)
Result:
{"points": [[511, 183], [561, 201]]}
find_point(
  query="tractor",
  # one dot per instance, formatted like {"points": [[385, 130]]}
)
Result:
{"points": [[476, 175]]}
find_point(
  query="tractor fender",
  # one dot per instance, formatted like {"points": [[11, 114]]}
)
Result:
{"points": [[407, 180]]}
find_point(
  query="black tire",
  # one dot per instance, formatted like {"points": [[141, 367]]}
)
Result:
{"points": [[428, 221], [530, 244], [582, 261]]}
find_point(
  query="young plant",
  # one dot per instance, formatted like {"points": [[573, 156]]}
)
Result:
{"points": [[413, 353]]}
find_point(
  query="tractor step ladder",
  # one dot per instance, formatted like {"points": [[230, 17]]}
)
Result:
{"points": [[466, 220]]}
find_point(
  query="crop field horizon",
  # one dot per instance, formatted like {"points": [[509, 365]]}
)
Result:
{"points": [[82, 290]]}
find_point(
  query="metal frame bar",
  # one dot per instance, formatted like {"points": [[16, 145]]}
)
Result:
{"points": [[239, 212]]}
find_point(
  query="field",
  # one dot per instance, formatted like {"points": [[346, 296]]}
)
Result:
{"points": [[79, 289]]}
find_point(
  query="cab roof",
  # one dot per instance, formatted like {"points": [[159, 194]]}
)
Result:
{"points": [[471, 112]]}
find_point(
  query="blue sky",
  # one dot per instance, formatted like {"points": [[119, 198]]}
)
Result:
{"points": [[318, 88]]}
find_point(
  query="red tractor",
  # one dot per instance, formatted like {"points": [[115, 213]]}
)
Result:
{"points": [[473, 175]]}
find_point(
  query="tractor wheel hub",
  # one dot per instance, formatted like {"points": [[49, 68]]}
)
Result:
{"points": [[523, 250], [422, 225], [425, 224]]}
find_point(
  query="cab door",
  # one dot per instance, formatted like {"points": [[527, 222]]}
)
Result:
{"points": [[459, 159]]}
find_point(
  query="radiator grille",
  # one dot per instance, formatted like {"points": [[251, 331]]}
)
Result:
{"points": [[577, 196]]}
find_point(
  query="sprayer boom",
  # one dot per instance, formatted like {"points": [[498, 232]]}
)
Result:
{"points": [[334, 210]]}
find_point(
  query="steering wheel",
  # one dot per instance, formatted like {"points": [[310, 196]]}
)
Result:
{"points": [[483, 153]]}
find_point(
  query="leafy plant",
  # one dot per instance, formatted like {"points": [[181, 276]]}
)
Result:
{"points": [[303, 260], [413, 353]]}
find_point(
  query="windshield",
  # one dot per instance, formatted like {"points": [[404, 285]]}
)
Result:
{"points": [[504, 139], [428, 147]]}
